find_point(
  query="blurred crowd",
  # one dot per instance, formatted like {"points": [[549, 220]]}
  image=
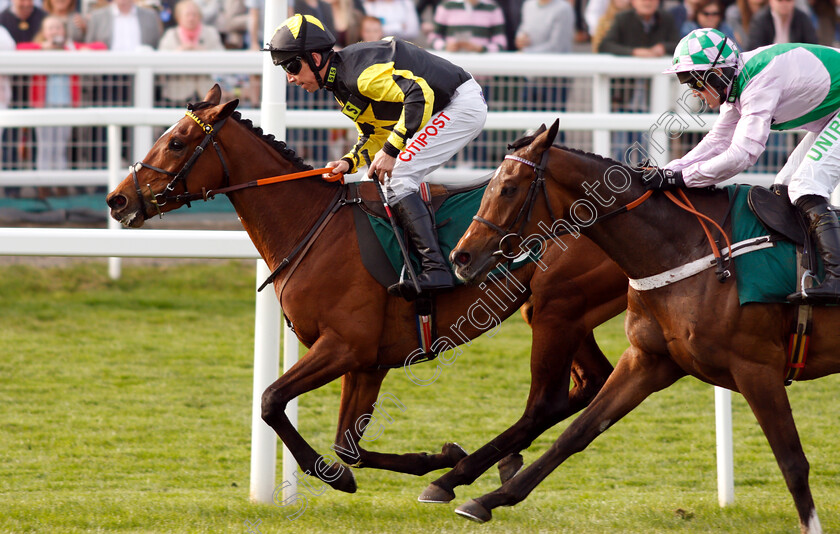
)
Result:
{"points": [[642, 28]]}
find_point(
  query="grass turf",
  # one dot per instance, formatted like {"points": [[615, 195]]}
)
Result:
{"points": [[126, 408]]}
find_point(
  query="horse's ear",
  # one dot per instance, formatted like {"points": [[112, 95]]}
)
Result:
{"points": [[545, 138], [540, 130], [214, 95], [226, 110], [552, 132]]}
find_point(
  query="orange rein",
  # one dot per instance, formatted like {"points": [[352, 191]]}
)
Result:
{"points": [[303, 174], [689, 207], [206, 195]]}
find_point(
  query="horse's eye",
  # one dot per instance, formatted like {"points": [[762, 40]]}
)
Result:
{"points": [[175, 144], [508, 191]]}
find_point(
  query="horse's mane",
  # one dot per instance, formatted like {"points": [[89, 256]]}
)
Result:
{"points": [[528, 139], [276, 144]]}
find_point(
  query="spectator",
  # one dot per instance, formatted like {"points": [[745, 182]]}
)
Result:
{"points": [[319, 9], [469, 26], [739, 17], [709, 14], [348, 21], [683, 12], [54, 91], [124, 26], [825, 18], [190, 34], [547, 26], [512, 14], [7, 43], [232, 23], [256, 19], [781, 22], [371, 29], [594, 11], [399, 17], [606, 21], [23, 20], [165, 10], [68, 11], [643, 31]]}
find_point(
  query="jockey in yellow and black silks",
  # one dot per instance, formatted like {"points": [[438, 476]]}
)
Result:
{"points": [[413, 110]]}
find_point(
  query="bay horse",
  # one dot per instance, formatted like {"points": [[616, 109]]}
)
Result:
{"points": [[692, 327], [352, 328]]}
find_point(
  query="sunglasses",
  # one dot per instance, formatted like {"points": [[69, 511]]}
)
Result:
{"points": [[692, 81], [710, 13], [292, 66]]}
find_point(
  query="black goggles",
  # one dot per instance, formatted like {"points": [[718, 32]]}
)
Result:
{"points": [[292, 66], [692, 80]]}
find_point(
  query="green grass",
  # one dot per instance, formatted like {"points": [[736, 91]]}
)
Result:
{"points": [[126, 408]]}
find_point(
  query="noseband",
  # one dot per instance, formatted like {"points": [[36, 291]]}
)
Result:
{"points": [[160, 199], [524, 215]]}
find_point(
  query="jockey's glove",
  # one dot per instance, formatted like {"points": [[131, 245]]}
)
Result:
{"points": [[657, 178]]}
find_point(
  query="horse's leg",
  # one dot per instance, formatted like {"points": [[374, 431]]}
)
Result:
{"points": [[549, 402], [359, 397], [328, 358], [636, 376], [766, 395]]}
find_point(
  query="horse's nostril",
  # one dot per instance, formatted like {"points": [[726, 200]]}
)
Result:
{"points": [[462, 258], [116, 202]]}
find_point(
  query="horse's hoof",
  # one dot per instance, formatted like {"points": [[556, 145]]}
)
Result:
{"points": [[509, 466], [346, 482], [454, 452], [436, 495], [474, 511]]}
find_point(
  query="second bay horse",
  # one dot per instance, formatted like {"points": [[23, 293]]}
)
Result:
{"points": [[695, 326]]}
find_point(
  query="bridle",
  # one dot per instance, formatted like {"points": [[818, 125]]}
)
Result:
{"points": [[161, 199], [538, 183], [524, 215]]}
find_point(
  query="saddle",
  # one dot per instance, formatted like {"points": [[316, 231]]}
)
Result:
{"points": [[773, 208]]}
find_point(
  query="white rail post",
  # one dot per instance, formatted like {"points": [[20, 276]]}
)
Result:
{"points": [[601, 142], [144, 98], [114, 264], [723, 430], [266, 361], [273, 120]]}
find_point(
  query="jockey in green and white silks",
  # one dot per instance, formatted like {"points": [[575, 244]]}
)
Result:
{"points": [[776, 87]]}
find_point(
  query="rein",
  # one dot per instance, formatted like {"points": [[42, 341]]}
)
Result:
{"points": [[160, 199], [538, 183], [530, 201], [210, 130]]}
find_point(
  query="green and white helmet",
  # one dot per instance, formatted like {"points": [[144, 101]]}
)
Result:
{"points": [[702, 50]]}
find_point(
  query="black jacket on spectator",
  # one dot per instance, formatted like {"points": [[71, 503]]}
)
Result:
{"points": [[23, 31], [763, 32], [628, 32]]}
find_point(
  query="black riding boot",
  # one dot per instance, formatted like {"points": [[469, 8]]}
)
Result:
{"points": [[414, 217], [826, 229]]}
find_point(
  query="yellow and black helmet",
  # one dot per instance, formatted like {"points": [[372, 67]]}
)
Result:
{"points": [[299, 36]]}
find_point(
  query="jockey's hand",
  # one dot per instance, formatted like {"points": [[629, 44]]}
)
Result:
{"points": [[338, 167], [382, 166], [657, 178]]}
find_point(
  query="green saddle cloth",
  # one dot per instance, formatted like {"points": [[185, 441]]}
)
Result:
{"points": [[767, 275], [456, 212]]}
